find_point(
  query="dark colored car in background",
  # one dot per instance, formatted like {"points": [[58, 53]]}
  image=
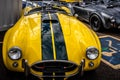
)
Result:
{"points": [[101, 14]]}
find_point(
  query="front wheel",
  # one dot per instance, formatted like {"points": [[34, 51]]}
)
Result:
{"points": [[96, 23]]}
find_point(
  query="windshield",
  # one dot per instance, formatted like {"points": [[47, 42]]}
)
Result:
{"points": [[109, 1], [46, 5]]}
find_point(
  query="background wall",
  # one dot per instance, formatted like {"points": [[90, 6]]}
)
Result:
{"points": [[10, 11]]}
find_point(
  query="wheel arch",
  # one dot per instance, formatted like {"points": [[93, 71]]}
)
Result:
{"points": [[101, 17]]}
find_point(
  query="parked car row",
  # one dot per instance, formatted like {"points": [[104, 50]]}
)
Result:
{"points": [[101, 14]]}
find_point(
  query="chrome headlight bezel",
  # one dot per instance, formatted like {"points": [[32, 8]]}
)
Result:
{"points": [[92, 53], [112, 19], [15, 53]]}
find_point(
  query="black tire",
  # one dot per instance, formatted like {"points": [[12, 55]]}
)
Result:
{"points": [[96, 23]]}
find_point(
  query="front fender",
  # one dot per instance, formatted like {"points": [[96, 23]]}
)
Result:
{"points": [[87, 38], [12, 39]]}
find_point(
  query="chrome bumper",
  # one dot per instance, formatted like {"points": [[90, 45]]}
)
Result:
{"points": [[58, 71]]}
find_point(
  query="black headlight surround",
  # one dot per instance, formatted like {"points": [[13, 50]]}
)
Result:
{"points": [[17, 49], [89, 49]]}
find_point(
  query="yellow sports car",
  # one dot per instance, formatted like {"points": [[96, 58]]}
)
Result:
{"points": [[50, 43]]}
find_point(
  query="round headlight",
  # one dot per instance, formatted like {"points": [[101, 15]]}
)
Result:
{"points": [[92, 53], [15, 53]]}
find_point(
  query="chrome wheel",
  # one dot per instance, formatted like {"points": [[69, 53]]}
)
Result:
{"points": [[96, 23]]}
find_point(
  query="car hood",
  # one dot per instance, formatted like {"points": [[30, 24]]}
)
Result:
{"points": [[52, 36], [64, 38], [113, 11]]}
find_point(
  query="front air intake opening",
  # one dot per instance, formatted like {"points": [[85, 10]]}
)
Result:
{"points": [[54, 66]]}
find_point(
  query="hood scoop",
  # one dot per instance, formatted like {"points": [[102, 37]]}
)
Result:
{"points": [[48, 21]]}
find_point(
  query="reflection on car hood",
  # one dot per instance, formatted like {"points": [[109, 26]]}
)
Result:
{"points": [[115, 11], [64, 32]]}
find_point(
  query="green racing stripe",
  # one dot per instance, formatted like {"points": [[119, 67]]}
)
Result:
{"points": [[46, 37], [61, 52]]}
